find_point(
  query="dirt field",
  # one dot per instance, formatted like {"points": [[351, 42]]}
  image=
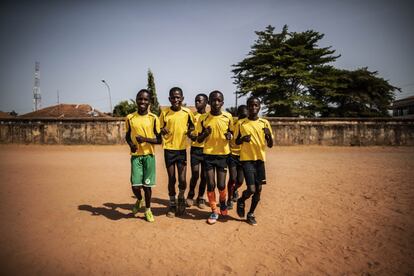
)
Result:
{"points": [[325, 210]]}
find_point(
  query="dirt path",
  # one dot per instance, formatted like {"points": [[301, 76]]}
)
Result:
{"points": [[325, 210]]}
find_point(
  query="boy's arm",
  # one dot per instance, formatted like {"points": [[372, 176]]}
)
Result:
{"points": [[229, 133], [190, 127], [128, 139], [268, 136], [164, 129], [157, 133], [156, 140], [240, 139], [206, 131]]}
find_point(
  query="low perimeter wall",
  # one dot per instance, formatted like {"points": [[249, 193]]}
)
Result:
{"points": [[287, 131]]}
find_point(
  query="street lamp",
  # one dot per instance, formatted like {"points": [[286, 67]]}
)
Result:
{"points": [[109, 93]]}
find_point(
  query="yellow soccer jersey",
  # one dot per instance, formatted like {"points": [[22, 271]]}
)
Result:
{"points": [[144, 125], [216, 143], [234, 148], [255, 149], [177, 124], [197, 118]]}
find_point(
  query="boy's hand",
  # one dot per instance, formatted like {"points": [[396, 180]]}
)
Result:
{"points": [[267, 133], [191, 136], [164, 131], [207, 131], [246, 138], [140, 139], [228, 135], [133, 148]]}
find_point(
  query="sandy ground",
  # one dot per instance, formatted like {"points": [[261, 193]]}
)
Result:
{"points": [[325, 210]]}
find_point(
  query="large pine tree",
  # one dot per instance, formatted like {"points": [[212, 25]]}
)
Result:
{"points": [[278, 69]]}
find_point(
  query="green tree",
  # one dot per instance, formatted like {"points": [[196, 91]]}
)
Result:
{"points": [[124, 108], [293, 77], [155, 106], [278, 69], [358, 93]]}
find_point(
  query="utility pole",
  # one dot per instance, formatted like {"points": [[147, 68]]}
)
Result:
{"points": [[37, 97]]}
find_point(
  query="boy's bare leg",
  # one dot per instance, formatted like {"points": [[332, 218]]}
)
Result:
{"points": [[182, 185], [171, 191]]}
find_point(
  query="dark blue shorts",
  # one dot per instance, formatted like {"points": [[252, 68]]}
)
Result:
{"points": [[175, 156], [219, 162], [233, 161], [254, 172], [196, 156]]}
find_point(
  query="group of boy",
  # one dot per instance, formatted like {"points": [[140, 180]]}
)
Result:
{"points": [[218, 143]]}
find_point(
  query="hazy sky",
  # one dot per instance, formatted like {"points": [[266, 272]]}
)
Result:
{"points": [[191, 44]]}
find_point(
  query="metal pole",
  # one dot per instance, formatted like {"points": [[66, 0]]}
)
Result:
{"points": [[109, 92]]}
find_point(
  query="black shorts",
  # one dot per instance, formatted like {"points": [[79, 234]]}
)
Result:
{"points": [[175, 156], [215, 161], [196, 156], [254, 172], [233, 161]]}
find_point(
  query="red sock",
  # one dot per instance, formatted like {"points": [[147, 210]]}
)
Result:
{"points": [[212, 199], [223, 195]]}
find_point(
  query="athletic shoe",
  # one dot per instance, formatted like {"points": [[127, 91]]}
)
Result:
{"points": [[240, 208], [138, 205], [251, 219], [235, 196], [229, 204], [212, 218], [180, 207], [171, 211], [148, 216], [223, 208], [201, 203], [189, 202]]}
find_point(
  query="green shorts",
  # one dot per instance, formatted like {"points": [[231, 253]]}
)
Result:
{"points": [[143, 170]]}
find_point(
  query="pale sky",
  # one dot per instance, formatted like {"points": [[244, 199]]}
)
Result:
{"points": [[191, 44]]}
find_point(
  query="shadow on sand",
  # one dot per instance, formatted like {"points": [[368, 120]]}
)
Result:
{"points": [[117, 211]]}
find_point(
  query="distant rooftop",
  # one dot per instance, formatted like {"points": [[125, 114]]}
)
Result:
{"points": [[409, 101], [65, 111], [5, 115]]}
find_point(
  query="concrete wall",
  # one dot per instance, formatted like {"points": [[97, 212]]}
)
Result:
{"points": [[66, 131], [287, 131]]}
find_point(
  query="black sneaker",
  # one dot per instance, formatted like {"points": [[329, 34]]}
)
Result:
{"points": [[230, 204], [235, 196], [201, 202], [171, 211], [181, 206], [251, 219], [240, 208]]}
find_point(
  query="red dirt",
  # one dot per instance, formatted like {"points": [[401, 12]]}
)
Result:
{"points": [[325, 210]]}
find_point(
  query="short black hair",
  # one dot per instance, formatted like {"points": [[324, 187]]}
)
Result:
{"points": [[215, 92], [202, 95], [240, 108], [144, 91], [251, 98], [176, 89]]}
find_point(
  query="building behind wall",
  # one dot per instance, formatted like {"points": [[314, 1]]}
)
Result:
{"points": [[403, 107]]}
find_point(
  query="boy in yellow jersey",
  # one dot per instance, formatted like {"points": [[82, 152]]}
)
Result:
{"points": [[197, 159], [253, 134], [142, 132], [215, 130], [233, 162], [177, 123]]}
